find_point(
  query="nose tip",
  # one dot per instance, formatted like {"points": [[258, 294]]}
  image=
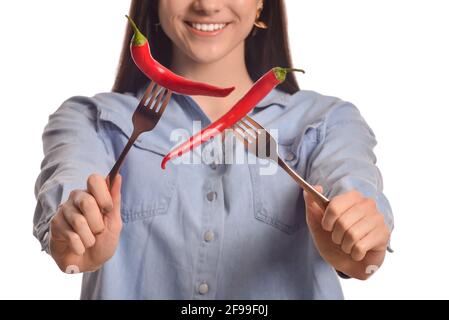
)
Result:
{"points": [[208, 6]]}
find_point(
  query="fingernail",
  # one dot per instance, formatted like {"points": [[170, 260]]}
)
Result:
{"points": [[72, 269]]}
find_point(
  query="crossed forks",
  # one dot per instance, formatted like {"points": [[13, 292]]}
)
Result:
{"points": [[250, 132]]}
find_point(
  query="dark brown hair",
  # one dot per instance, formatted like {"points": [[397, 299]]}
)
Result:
{"points": [[264, 49]]}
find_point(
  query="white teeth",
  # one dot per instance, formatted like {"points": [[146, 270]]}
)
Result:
{"points": [[208, 27]]}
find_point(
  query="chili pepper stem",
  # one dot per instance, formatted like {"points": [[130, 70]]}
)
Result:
{"points": [[293, 69], [138, 38], [281, 73]]}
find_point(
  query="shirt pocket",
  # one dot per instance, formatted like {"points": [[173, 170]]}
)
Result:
{"points": [[278, 199], [147, 190]]}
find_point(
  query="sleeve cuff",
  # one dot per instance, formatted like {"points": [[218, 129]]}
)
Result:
{"points": [[45, 243]]}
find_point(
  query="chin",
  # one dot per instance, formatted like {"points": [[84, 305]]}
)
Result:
{"points": [[207, 57]]}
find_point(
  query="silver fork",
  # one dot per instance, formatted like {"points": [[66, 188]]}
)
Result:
{"points": [[250, 132], [145, 118]]}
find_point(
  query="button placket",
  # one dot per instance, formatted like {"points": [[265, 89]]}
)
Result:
{"points": [[212, 219]]}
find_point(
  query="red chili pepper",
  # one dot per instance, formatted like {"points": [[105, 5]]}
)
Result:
{"points": [[258, 91], [141, 54]]}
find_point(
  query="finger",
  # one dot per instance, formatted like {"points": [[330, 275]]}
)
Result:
{"points": [[61, 230], [337, 206], [97, 186], [377, 239], [88, 206], [314, 213], [347, 220], [79, 225], [114, 217], [358, 231]]}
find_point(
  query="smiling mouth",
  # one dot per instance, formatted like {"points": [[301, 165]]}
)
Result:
{"points": [[207, 27]]}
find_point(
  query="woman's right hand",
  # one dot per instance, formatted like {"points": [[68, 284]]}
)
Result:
{"points": [[86, 229]]}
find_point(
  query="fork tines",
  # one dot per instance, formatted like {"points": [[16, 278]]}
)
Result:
{"points": [[246, 131], [151, 93]]}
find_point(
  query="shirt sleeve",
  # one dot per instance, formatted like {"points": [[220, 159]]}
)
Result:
{"points": [[344, 158], [73, 149]]}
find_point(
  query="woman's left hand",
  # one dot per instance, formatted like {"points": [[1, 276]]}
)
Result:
{"points": [[351, 234]]}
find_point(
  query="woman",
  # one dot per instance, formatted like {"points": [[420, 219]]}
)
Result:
{"points": [[211, 230]]}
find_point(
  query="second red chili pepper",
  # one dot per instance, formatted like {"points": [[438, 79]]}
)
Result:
{"points": [[258, 91], [141, 54]]}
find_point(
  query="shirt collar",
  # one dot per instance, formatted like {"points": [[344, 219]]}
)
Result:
{"points": [[276, 97]]}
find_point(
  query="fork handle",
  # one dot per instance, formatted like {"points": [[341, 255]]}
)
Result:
{"points": [[320, 199], [115, 169]]}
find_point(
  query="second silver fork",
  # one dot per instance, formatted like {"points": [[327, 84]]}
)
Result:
{"points": [[250, 132]]}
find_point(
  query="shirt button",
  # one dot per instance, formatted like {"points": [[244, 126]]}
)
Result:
{"points": [[211, 196], [203, 288], [209, 236], [290, 156]]}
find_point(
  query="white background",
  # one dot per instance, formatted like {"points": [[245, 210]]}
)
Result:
{"points": [[390, 58]]}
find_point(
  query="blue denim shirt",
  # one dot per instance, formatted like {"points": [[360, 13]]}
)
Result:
{"points": [[209, 230]]}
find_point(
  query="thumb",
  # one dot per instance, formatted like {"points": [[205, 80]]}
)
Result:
{"points": [[314, 214]]}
